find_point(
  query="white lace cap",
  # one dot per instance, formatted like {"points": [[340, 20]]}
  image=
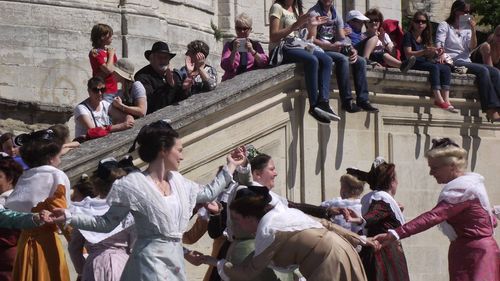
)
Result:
{"points": [[378, 161]]}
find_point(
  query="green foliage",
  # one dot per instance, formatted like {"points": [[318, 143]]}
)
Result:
{"points": [[488, 11], [217, 32]]}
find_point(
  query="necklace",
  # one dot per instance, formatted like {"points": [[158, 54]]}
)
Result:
{"points": [[162, 186]]}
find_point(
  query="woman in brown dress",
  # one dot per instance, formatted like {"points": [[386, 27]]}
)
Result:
{"points": [[287, 239]]}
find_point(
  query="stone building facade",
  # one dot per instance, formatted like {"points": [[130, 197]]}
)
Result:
{"points": [[44, 44]]}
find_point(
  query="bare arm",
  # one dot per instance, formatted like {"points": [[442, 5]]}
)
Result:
{"points": [[276, 33]]}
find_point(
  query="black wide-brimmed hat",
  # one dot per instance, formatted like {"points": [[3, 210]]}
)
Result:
{"points": [[159, 47]]}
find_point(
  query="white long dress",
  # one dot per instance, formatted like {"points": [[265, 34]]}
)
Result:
{"points": [[157, 254]]}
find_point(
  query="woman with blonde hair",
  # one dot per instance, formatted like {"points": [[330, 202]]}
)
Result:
{"points": [[242, 54], [463, 213]]}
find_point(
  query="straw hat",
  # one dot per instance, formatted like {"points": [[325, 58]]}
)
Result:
{"points": [[125, 69]]}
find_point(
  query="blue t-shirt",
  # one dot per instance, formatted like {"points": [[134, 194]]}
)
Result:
{"points": [[328, 31], [409, 41], [355, 37]]}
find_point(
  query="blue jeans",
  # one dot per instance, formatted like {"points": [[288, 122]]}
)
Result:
{"points": [[488, 80], [358, 73], [317, 72], [440, 74]]}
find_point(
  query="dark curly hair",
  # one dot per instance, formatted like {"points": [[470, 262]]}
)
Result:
{"points": [[11, 169], [198, 46], [153, 138], [39, 147]]}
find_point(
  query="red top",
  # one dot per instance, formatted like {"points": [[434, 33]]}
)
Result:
{"points": [[97, 58]]}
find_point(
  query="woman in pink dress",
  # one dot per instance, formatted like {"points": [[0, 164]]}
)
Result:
{"points": [[464, 214]]}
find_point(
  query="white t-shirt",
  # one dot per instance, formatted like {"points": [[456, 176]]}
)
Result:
{"points": [[379, 48], [137, 91], [286, 18], [100, 118]]}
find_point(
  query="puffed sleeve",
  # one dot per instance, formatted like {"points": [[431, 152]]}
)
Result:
{"points": [[13, 219], [209, 192], [104, 223], [438, 214]]}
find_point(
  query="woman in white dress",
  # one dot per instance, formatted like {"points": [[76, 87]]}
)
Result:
{"points": [[161, 201]]}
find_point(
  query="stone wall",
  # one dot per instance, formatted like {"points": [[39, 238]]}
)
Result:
{"points": [[44, 44]]}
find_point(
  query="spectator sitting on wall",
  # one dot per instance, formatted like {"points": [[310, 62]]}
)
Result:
{"points": [[131, 99], [331, 38], [157, 78], [242, 54], [197, 76], [377, 46], [91, 115], [488, 52], [102, 58], [62, 133], [355, 21]]}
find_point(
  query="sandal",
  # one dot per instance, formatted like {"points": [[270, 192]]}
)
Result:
{"points": [[446, 106]]}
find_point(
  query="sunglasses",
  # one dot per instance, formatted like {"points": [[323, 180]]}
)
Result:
{"points": [[420, 21], [96, 89], [242, 28]]}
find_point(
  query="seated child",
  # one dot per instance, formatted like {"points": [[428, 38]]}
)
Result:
{"points": [[351, 189]]}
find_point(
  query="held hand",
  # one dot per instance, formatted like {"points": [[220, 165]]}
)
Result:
{"points": [[213, 207], [351, 216], [209, 260], [42, 217], [58, 216], [385, 239], [194, 257], [117, 102], [334, 211], [237, 157], [371, 242]]}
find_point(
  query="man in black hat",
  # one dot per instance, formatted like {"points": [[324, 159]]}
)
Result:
{"points": [[162, 87]]}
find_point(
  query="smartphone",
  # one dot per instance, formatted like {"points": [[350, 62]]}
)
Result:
{"points": [[243, 43], [464, 21]]}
